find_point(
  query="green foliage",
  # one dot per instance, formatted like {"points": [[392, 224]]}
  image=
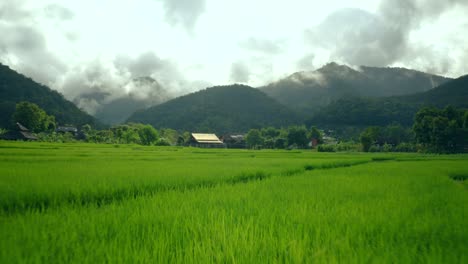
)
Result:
{"points": [[148, 135], [310, 91], [315, 133], [465, 120], [102, 204], [406, 147], [163, 142], [280, 143], [297, 135], [15, 88], [384, 138], [340, 147], [223, 109], [366, 141], [270, 132], [170, 135], [441, 130], [388, 110], [365, 112], [33, 117], [326, 148], [254, 139]]}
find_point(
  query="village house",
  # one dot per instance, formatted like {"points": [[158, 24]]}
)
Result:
{"points": [[234, 141], [205, 141], [67, 129], [19, 133]]}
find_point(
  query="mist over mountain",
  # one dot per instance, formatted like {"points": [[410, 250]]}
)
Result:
{"points": [[221, 109], [395, 109], [140, 93], [308, 91], [15, 88]]}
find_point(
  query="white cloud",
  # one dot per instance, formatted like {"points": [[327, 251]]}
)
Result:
{"points": [[265, 39]]}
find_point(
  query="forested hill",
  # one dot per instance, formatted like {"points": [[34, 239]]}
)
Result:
{"points": [[221, 109], [308, 91], [400, 109], [15, 87]]}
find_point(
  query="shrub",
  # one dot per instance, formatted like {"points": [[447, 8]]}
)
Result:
{"points": [[326, 148], [406, 147]]}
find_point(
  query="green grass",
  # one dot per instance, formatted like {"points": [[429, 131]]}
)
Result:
{"points": [[144, 204]]}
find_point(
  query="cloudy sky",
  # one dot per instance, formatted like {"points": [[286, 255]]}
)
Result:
{"points": [[76, 46]]}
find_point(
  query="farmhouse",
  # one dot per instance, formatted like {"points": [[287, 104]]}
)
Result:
{"points": [[234, 140], [67, 129], [19, 133], [205, 141]]}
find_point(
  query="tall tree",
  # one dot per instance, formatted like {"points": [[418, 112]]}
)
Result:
{"points": [[297, 135], [148, 135], [441, 130], [254, 138], [33, 117], [315, 133]]}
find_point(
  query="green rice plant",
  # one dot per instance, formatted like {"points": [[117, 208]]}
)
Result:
{"points": [[184, 205]]}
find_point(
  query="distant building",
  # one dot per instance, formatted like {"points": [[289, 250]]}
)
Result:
{"points": [[314, 142], [67, 129], [234, 141], [19, 133], [205, 141]]}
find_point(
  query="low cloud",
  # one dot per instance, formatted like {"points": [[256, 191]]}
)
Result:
{"points": [[23, 45], [183, 12], [58, 12], [12, 10], [306, 63], [25, 48], [271, 47], [146, 78], [358, 37], [240, 72]]}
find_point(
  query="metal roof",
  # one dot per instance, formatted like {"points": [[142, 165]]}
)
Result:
{"points": [[21, 127], [206, 138]]}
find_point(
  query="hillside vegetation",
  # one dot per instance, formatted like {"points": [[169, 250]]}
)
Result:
{"points": [[15, 88], [221, 109], [399, 109], [308, 91]]}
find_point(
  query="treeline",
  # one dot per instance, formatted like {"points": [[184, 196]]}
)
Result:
{"points": [[132, 133], [280, 138], [434, 130], [442, 130]]}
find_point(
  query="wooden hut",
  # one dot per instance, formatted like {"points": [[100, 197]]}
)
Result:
{"points": [[19, 133], [202, 140]]}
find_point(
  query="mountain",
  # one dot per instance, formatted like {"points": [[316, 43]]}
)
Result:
{"points": [[112, 107], [399, 109], [15, 87], [221, 109], [308, 91]]}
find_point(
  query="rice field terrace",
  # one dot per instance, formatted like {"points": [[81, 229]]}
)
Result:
{"points": [[89, 203]]}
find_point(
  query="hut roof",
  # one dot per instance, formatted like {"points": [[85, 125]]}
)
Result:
{"points": [[21, 127], [206, 138], [67, 129]]}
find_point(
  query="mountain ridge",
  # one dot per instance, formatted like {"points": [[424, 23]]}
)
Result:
{"points": [[394, 109], [221, 109], [309, 90], [15, 87]]}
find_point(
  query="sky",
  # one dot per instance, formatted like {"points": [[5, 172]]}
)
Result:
{"points": [[79, 47]]}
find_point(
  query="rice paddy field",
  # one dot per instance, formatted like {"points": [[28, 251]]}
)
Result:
{"points": [[88, 203]]}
